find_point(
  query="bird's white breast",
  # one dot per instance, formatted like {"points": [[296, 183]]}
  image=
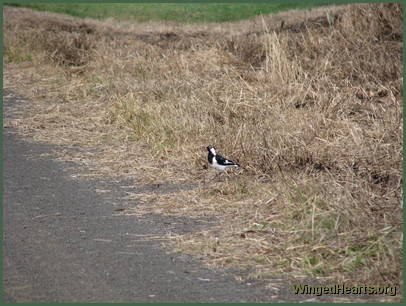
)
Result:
{"points": [[217, 166]]}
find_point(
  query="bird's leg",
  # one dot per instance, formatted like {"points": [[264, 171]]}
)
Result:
{"points": [[227, 176]]}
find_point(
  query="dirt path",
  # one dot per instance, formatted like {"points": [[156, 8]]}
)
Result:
{"points": [[64, 242]]}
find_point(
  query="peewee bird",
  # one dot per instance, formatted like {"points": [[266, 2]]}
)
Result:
{"points": [[219, 162]]}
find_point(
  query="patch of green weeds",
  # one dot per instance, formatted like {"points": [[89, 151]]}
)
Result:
{"points": [[17, 56]]}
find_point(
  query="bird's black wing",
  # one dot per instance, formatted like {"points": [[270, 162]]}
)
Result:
{"points": [[225, 162]]}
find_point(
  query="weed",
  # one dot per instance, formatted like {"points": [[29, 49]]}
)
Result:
{"points": [[17, 56]]}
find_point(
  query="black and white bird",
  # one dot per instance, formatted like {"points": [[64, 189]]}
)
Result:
{"points": [[219, 162]]}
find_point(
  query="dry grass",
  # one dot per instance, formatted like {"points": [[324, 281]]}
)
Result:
{"points": [[312, 108]]}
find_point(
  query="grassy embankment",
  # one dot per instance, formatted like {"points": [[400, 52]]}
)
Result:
{"points": [[313, 110], [193, 12]]}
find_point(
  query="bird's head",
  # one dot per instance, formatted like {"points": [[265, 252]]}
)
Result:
{"points": [[211, 149]]}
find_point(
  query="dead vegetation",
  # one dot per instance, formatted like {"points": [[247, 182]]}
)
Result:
{"points": [[309, 103]]}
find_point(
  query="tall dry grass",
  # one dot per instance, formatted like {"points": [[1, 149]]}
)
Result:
{"points": [[312, 107]]}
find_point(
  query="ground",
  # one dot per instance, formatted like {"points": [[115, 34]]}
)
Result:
{"points": [[310, 103]]}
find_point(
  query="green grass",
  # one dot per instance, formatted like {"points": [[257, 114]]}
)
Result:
{"points": [[17, 56], [181, 12]]}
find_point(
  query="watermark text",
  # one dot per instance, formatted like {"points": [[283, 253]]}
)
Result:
{"points": [[343, 289]]}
